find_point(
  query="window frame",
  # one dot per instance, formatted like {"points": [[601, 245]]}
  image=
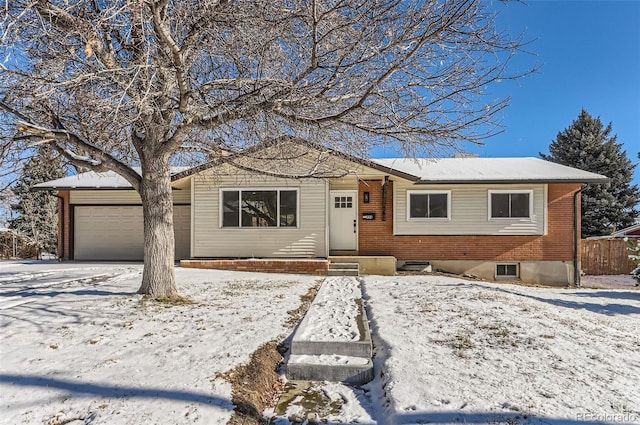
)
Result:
{"points": [[428, 192], [257, 189], [507, 276], [510, 191]]}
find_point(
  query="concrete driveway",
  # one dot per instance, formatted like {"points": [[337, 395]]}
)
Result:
{"points": [[24, 281]]}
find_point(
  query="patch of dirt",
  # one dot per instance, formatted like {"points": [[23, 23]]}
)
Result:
{"points": [[256, 386], [296, 315], [171, 301]]}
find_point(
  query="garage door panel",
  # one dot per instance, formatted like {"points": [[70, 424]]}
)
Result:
{"points": [[108, 233], [116, 232], [182, 231]]}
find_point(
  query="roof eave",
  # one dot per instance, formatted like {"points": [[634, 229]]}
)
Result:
{"points": [[80, 188]]}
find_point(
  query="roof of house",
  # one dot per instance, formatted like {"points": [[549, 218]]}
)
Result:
{"points": [[93, 180], [489, 170], [628, 231], [425, 171]]}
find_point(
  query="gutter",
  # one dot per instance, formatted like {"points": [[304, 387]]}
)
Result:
{"points": [[576, 238], [512, 181]]}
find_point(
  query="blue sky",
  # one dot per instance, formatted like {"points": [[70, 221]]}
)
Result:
{"points": [[589, 52]]}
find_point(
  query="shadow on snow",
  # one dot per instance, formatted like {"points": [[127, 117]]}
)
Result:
{"points": [[75, 388]]}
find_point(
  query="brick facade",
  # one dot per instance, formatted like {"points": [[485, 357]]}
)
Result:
{"points": [[64, 225], [315, 267], [376, 237]]}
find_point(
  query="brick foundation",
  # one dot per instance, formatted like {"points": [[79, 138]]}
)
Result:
{"points": [[300, 266], [64, 225]]}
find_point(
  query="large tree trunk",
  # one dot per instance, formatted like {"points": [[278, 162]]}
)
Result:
{"points": [[158, 278]]}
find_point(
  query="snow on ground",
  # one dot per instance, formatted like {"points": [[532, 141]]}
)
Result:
{"points": [[619, 281], [459, 351], [77, 342], [334, 312]]}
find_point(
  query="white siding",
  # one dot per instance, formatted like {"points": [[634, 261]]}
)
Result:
{"points": [[120, 197], [344, 183], [211, 240], [469, 211]]}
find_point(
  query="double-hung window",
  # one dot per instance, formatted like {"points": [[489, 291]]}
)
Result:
{"points": [[422, 204], [510, 204], [259, 208]]}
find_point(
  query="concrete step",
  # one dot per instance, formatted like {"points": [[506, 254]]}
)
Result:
{"points": [[416, 266], [317, 356], [356, 370], [360, 348], [344, 269], [342, 272], [351, 266]]}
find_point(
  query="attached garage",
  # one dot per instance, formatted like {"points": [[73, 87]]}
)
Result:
{"points": [[110, 232]]}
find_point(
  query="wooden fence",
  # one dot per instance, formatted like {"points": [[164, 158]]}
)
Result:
{"points": [[605, 257]]}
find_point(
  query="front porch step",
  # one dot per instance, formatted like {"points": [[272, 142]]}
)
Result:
{"points": [[416, 266], [352, 266], [344, 269], [341, 272]]}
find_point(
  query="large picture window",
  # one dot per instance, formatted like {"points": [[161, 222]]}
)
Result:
{"points": [[506, 204], [428, 205], [260, 208]]}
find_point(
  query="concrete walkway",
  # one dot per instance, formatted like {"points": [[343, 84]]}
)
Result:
{"points": [[330, 358], [333, 341]]}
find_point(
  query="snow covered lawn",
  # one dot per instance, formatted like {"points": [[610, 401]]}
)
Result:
{"points": [[460, 351], [78, 343], [618, 281]]}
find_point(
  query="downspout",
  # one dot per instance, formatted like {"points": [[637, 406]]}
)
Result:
{"points": [[62, 225], [385, 187], [576, 238]]}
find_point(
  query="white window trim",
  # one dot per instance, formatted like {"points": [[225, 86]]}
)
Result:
{"points": [[427, 192], [253, 189], [504, 276], [502, 191]]}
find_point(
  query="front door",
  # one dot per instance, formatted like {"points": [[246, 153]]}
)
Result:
{"points": [[343, 224]]}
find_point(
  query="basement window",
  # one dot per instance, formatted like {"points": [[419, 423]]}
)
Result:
{"points": [[507, 271]]}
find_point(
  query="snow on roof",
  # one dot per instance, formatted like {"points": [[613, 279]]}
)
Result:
{"points": [[489, 170], [89, 180], [628, 231], [93, 180], [431, 170]]}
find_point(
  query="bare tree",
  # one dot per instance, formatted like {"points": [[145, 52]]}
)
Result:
{"points": [[124, 83]]}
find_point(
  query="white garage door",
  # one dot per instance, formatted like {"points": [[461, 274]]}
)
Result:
{"points": [[115, 232]]}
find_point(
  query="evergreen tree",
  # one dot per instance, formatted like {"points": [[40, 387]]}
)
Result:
{"points": [[588, 145], [37, 210]]}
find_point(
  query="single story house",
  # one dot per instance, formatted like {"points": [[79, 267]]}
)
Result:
{"points": [[631, 232], [512, 218]]}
